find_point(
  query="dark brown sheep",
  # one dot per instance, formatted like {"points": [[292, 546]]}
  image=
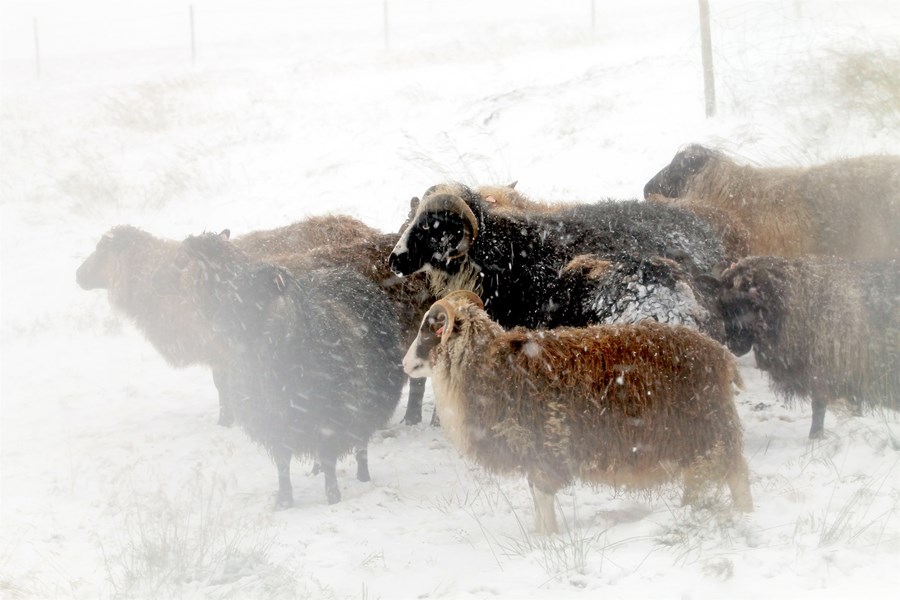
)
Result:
{"points": [[848, 208], [823, 328], [619, 405], [312, 361], [410, 295], [126, 258]]}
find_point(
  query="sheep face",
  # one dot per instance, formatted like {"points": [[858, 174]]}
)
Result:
{"points": [[438, 326], [97, 269], [673, 180], [747, 299], [440, 234], [437, 322]]}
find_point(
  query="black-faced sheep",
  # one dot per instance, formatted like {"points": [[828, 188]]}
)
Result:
{"points": [[848, 208], [126, 258], [514, 261], [313, 361], [823, 328], [619, 405], [411, 295]]}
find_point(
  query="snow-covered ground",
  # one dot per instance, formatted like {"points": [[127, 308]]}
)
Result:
{"points": [[116, 481]]}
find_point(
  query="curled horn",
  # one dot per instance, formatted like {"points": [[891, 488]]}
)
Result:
{"points": [[470, 223], [467, 295], [444, 314]]}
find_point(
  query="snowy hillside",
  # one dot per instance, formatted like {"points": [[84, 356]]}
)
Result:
{"points": [[115, 480]]}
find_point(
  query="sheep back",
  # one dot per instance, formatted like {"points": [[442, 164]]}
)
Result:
{"points": [[615, 405], [848, 207], [411, 295], [301, 236], [630, 289]]}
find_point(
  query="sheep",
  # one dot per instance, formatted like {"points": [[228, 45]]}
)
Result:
{"points": [[313, 360], [848, 208], [410, 295], [126, 257], [619, 405], [823, 328], [514, 260], [301, 236]]}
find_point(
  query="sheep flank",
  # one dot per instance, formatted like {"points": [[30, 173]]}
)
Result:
{"points": [[823, 328]]}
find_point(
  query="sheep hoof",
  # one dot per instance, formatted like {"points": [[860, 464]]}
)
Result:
{"points": [[333, 496], [283, 502], [226, 419], [818, 434], [412, 419]]}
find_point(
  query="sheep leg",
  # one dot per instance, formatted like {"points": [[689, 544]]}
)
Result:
{"points": [[362, 462], [328, 462], [544, 510], [226, 417], [285, 497], [738, 481], [693, 485], [413, 414], [817, 429]]}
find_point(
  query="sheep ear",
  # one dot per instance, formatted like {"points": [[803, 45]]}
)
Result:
{"points": [[444, 320], [512, 185], [225, 234], [447, 329], [440, 324]]}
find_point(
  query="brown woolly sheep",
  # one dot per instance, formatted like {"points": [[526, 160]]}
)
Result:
{"points": [[848, 208], [823, 328], [620, 405], [126, 259]]}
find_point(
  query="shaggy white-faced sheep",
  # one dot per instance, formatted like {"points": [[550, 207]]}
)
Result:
{"points": [[621, 405]]}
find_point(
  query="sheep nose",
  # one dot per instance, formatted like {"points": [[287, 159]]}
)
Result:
{"points": [[396, 263]]}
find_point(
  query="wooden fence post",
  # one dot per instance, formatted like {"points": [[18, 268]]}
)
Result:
{"points": [[387, 45], [709, 82]]}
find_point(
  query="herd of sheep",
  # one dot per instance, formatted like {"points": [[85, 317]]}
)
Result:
{"points": [[564, 341]]}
